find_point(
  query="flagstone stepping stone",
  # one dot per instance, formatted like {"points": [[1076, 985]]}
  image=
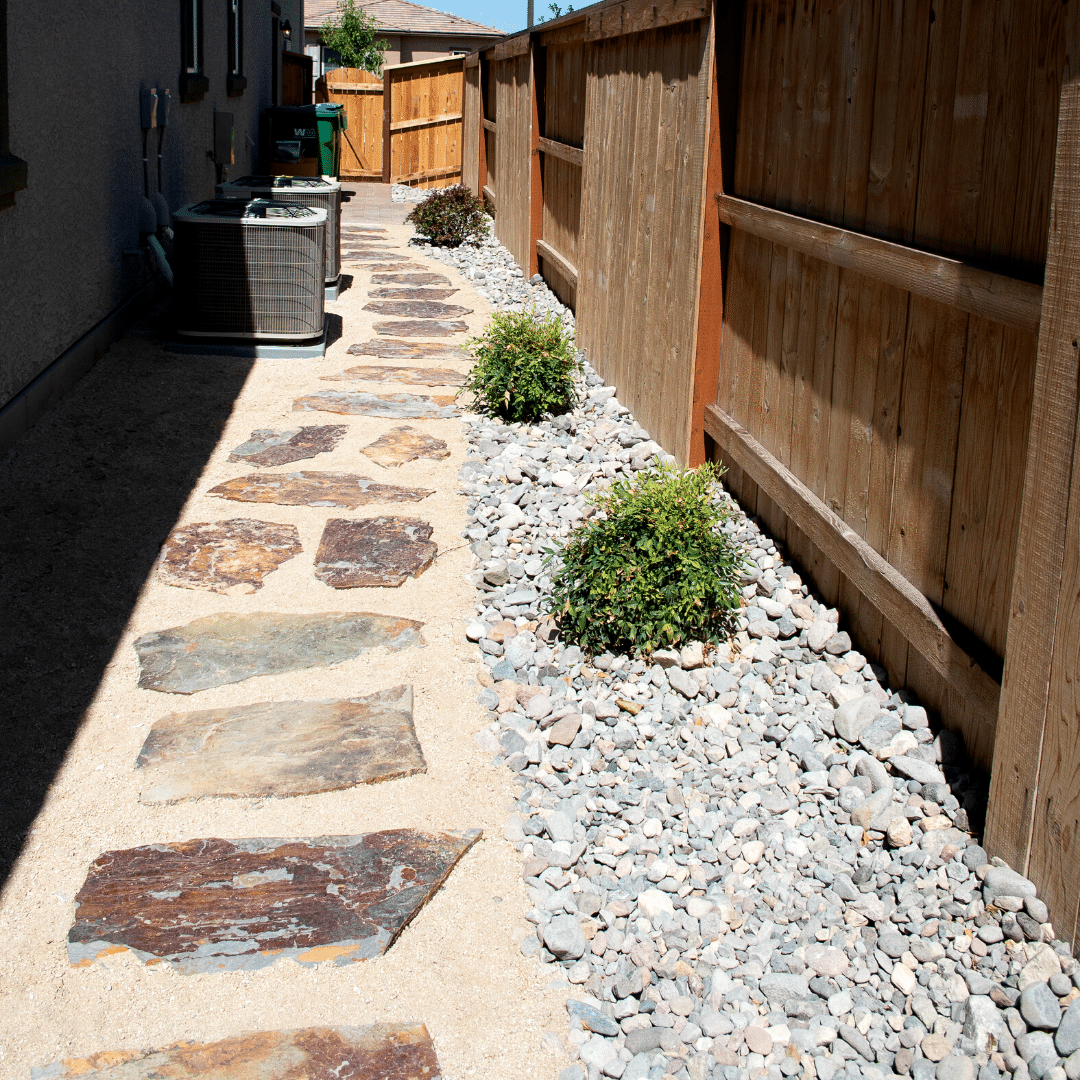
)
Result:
{"points": [[421, 327], [402, 444], [229, 905], [411, 279], [415, 376], [269, 447], [388, 349], [228, 648], [226, 556], [371, 1052], [422, 309], [281, 748], [363, 228], [377, 552], [395, 406], [388, 266], [309, 488], [377, 255], [403, 292]]}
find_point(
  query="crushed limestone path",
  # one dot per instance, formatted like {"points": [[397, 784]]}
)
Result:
{"points": [[300, 636]]}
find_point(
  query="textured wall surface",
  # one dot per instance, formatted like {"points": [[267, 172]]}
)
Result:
{"points": [[74, 79]]}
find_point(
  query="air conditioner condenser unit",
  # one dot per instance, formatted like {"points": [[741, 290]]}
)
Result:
{"points": [[321, 192], [249, 270]]}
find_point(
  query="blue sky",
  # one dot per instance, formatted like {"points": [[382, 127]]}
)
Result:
{"points": [[506, 15]]}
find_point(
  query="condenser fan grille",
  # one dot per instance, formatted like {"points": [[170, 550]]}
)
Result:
{"points": [[303, 191], [248, 279]]}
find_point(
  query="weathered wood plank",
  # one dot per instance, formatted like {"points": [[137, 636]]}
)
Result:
{"points": [[508, 50], [876, 578], [1044, 517], [566, 268], [949, 281], [633, 16], [562, 151], [489, 125]]}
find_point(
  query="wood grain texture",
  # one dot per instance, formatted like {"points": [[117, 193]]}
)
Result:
{"points": [[632, 16], [876, 578], [423, 122], [1027, 731], [360, 93], [563, 151], [564, 266], [949, 281]]}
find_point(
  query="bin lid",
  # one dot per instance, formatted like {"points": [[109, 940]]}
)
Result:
{"points": [[308, 183]]}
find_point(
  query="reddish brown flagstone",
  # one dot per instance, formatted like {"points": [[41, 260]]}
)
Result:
{"points": [[377, 254], [395, 406], [421, 309], [421, 327], [225, 648], [410, 279], [372, 1052], [391, 266], [377, 552], [402, 444], [403, 292], [227, 905], [277, 748], [310, 488], [414, 376], [226, 556], [388, 349], [269, 447]]}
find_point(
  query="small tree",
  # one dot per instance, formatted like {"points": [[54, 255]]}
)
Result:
{"points": [[354, 38]]}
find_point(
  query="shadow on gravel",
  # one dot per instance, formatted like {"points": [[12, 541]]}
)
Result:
{"points": [[88, 496]]}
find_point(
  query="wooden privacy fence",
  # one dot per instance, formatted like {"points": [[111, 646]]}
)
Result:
{"points": [[411, 135], [832, 246]]}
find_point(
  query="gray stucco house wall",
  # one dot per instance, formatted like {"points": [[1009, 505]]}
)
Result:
{"points": [[74, 74]]}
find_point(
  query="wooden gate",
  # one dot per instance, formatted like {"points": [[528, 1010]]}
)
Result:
{"points": [[422, 122], [361, 93]]}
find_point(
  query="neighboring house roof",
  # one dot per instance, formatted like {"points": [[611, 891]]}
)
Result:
{"points": [[400, 16]]}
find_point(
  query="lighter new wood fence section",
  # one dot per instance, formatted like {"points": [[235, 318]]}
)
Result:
{"points": [[361, 94], [422, 122]]}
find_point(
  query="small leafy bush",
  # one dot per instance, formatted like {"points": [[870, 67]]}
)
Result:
{"points": [[654, 571], [524, 367], [449, 217]]}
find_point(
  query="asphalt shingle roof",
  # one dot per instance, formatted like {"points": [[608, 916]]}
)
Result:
{"points": [[400, 16]]}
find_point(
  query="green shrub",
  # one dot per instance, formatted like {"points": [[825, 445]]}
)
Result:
{"points": [[450, 216], [524, 367], [655, 571]]}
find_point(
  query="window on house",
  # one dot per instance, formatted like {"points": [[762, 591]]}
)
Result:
{"points": [[12, 169], [236, 80], [193, 81]]}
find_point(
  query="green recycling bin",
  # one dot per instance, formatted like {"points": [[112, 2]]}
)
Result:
{"points": [[305, 140]]}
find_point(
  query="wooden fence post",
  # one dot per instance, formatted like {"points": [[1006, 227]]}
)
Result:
{"points": [[1017, 784], [537, 78], [388, 97]]}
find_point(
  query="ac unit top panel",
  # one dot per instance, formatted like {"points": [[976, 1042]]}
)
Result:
{"points": [[255, 211]]}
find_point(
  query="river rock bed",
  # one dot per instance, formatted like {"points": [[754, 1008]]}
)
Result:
{"points": [[750, 861]]}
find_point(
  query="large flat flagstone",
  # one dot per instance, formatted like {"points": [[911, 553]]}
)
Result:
{"points": [[402, 444], [421, 327], [371, 1052], [270, 447], [227, 648], [279, 748], [310, 488], [227, 905], [377, 254], [389, 349], [404, 292], [395, 406], [387, 267], [415, 376], [424, 278], [420, 309], [374, 553], [226, 556]]}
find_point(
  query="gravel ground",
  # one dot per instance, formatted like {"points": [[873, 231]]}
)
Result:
{"points": [[753, 861]]}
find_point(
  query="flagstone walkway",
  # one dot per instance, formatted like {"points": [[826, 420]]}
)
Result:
{"points": [[272, 829]]}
